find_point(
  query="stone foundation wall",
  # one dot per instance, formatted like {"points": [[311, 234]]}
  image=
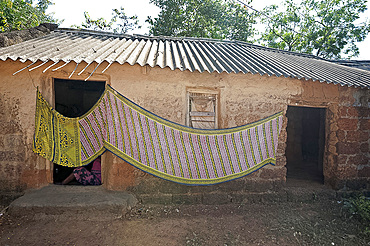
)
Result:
{"points": [[353, 170]]}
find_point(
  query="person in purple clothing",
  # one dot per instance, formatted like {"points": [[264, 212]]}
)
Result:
{"points": [[86, 177]]}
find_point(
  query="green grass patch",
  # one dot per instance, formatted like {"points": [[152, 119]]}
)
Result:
{"points": [[359, 207]]}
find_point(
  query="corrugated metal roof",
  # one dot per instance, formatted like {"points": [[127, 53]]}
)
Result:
{"points": [[361, 64], [193, 54]]}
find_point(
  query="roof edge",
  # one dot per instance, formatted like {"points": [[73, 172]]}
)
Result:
{"points": [[193, 39]]}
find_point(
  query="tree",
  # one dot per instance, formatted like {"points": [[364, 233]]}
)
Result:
{"points": [[22, 14], [218, 19], [325, 28], [119, 23]]}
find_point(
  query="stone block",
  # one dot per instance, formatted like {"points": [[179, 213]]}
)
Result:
{"points": [[149, 186], [365, 124], [260, 198], [348, 148], [234, 185], [216, 198], [348, 124], [187, 198], [333, 126], [352, 112], [263, 185], [281, 160], [281, 147], [333, 137], [343, 112], [364, 147], [204, 188], [331, 161], [169, 187], [341, 134], [346, 171], [278, 185], [353, 136], [364, 136], [163, 199], [342, 159], [359, 159], [364, 172], [239, 197], [250, 198], [283, 134], [332, 149], [363, 112]]}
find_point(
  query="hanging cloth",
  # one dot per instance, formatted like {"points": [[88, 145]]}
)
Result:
{"points": [[155, 145]]}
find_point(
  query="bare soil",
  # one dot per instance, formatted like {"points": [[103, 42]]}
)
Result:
{"points": [[315, 223]]}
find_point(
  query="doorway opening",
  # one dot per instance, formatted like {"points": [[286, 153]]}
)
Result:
{"points": [[74, 98], [305, 144]]}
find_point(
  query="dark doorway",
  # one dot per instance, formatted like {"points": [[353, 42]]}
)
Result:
{"points": [[74, 98], [305, 143]]}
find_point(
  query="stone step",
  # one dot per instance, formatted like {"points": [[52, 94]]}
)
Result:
{"points": [[67, 199], [288, 194]]}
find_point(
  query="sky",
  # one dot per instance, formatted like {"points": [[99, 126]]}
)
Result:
{"points": [[72, 13]]}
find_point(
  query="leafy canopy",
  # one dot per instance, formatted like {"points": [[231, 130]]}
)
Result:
{"points": [[326, 28], [119, 23], [22, 14], [218, 19]]}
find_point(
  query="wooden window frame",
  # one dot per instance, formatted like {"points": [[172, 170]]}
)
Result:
{"points": [[215, 93]]}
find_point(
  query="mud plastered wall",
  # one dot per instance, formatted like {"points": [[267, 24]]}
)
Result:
{"points": [[19, 167], [243, 99]]}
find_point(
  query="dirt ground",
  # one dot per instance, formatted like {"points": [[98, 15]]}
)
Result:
{"points": [[313, 223]]}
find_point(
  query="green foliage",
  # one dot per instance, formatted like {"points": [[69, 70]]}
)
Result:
{"points": [[218, 19], [119, 23], [360, 207], [21, 14], [325, 28]]}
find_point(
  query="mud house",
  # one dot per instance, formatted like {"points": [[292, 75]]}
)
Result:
{"points": [[325, 105]]}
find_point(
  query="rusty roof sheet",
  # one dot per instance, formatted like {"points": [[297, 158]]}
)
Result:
{"points": [[193, 54]]}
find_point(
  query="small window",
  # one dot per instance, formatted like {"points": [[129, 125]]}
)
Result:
{"points": [[202, 110]]}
